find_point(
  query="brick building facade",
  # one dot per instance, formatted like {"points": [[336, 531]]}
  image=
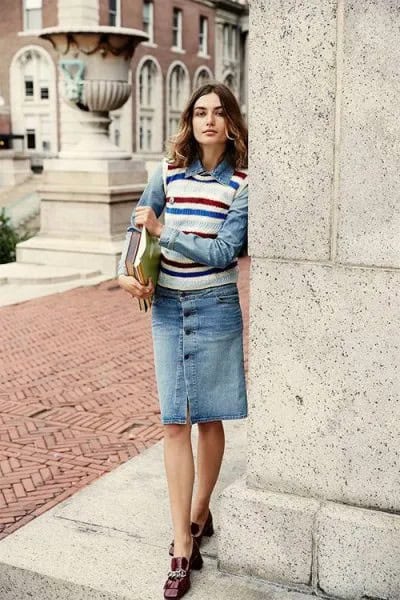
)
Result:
{"points": [[190, 41]]}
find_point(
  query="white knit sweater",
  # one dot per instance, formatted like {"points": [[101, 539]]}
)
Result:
{"points": [[198, 204]]}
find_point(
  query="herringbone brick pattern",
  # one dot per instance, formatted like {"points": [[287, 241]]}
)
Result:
{"points": [[77, 394]]}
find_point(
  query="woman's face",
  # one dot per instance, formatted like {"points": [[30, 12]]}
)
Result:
{"points": [[208, 120]]}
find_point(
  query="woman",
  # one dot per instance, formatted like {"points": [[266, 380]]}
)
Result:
{"points": [[196, 316]]}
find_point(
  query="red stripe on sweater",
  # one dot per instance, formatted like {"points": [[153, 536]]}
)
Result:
{"points": [[174, 263], [240, 174], [202, 234], [205, 201], [172, 167]]}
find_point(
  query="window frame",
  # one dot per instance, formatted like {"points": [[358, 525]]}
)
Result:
{"points": [[230, 42], [116, 14], [44, 88], [176, 94], [203, 36], [150, 33], [179, 28], [149, 112], [197, 74], [31, 80], [26, 11], [30, 132]]}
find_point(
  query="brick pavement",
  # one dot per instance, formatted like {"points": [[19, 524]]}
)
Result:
{"points": [[77, 394]]}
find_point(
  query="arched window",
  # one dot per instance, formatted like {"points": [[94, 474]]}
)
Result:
{"points": [[33, 99], [202, 76], [178, 92], [230, 82], [147, 75], [36, 74], [149, 137]]}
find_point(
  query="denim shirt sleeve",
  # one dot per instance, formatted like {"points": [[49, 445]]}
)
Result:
{"points": [[153, 196], [218, 252]]}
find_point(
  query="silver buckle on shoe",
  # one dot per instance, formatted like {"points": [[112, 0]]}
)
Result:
{"points": [[178, 574]]}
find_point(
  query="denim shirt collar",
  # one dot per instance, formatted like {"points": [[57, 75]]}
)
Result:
{"points": [[222, 172]]}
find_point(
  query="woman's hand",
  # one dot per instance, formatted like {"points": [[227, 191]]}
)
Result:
{"points": [[136, 289], [145, 216]]}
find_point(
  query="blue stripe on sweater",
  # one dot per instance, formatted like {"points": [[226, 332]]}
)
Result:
{"points": [[203, 180], [178, 176], [201, 274], [175, 177], [192, 211], [234, 184]]}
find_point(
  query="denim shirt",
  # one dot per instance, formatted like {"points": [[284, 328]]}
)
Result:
{"points": [[218, 252]]}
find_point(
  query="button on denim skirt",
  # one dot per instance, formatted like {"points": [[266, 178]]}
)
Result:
{"points": [[198, 353]]}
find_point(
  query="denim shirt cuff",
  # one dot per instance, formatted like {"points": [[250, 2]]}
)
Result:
{"points": [[168, 237]]}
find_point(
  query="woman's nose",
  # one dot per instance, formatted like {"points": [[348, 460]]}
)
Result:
{"points": [[210, 118]]}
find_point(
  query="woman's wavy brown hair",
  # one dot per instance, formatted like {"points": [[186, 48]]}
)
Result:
{"points": [[183, 148]]}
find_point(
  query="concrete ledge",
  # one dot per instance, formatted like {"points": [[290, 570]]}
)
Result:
{"points": [[16, 584], [99, 255], [32, 273], [14, 293], [267, 535], [14, 168], [358, 553]]}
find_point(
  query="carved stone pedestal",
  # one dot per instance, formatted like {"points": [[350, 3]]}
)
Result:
{"points": [[85, 207]]}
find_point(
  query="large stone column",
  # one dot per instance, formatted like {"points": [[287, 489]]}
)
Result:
{"points": [[319, 508]]}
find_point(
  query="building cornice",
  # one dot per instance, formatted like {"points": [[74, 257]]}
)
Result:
{"points": [[208, 3], [231, 6]]}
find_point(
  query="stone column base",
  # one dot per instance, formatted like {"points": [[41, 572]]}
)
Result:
{"points": [[307, 544], [85, 209]]}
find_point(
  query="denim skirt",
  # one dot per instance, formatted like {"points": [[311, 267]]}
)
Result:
{"points": [[198, 354]]}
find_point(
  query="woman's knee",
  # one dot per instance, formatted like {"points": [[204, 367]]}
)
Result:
{"points": [[211, 426], [174, 431]]}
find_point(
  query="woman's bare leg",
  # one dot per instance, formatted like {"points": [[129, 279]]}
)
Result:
{"points": [[210, 451], [179, 467]]}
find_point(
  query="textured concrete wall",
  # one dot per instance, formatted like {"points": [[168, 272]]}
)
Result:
{"points": [[323, 476]]}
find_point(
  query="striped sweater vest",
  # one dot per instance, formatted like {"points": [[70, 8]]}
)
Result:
{"points": [[198, 204]]}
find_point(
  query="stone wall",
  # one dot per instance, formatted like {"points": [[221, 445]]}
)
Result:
{"points": [[320, 506]]}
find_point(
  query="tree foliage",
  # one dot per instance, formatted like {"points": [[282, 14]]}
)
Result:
{"points": [[9, 238]]}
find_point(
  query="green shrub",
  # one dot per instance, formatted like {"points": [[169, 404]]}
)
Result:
{"points": [[9, 238]]}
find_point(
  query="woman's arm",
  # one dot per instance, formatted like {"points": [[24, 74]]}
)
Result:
{"points": [[154, 197], [153, 194], [218, 252]]}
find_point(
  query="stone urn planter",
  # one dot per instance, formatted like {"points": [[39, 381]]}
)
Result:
{"points": [[94, 62]]}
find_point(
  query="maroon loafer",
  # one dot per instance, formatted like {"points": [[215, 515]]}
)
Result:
{"points": [[208, 530], [178, 582]]}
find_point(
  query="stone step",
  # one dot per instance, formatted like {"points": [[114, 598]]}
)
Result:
{"points": [[31, 273], [109, 541]]}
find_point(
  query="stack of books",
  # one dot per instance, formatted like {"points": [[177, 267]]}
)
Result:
{"points": [[143, 259]]}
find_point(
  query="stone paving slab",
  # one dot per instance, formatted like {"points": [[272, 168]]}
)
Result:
{"points": [[73, 402], [110, 540]]}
